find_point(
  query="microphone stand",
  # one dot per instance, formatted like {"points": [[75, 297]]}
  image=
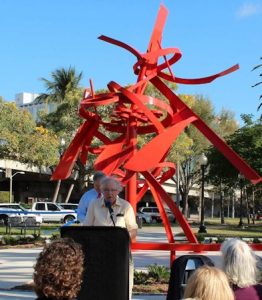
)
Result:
{"points": [[111, 212]]}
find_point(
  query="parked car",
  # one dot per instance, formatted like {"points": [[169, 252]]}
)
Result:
{"points": [[146, 219], [70, 206], [139, 221], [153, 212], [170, 215], [4, 215], [259, 215], [14, 209], [52, 212]]}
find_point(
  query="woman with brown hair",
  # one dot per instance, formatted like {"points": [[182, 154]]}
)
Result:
{"points": [[59, 270], [208, 283]]}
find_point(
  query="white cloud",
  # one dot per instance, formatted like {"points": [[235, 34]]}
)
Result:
{"points": [[249, 9]]}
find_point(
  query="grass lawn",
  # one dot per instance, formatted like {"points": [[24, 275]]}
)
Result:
{"points": [[230, 231], [230, 228], [45, 229], [229, 221]]}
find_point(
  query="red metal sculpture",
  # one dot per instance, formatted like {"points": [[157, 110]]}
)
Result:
{"points": [[132, 116]]}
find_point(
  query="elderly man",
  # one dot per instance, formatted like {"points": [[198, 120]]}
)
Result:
{"points": [[110, 210], [89, 196]]}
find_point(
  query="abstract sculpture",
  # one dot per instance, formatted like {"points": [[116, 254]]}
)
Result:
{"points": [[132, 116]]}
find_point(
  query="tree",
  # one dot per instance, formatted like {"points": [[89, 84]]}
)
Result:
{"points": [[64, 121], [25, 141], [189, 168], [63, 81], [247, 142]]}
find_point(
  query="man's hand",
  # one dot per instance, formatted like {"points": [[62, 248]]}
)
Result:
{"points": [[133, 234]]}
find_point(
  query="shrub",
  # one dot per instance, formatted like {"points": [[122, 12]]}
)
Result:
{"points": [[55, 236], [220, 239], [200, 238], [37, 237], [159, 273], [9, 240], [156, 274], [256, 241], [20, 240], [26, 240], [140, 277]]}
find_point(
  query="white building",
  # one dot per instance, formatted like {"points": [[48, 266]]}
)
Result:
{"points": [[27, 101]]}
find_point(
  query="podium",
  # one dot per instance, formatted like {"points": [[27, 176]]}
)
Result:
{"points": [[106, 249]]}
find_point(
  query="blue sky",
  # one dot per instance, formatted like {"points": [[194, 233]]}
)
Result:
{"points": [[40, 36]]}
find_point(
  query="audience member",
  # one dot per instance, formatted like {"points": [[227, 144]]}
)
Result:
{"points": [[88, 196], [240, 266], [58, 271], [208, 283]]}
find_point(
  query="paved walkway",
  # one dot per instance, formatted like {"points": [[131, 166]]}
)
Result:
{"points": [[16, 264], [18, 295]]}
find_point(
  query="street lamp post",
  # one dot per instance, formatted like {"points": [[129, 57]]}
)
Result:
{"points": [[203, 163], [11, 184], [58, 183], [177, 185], [241, 181], [62, 143]]}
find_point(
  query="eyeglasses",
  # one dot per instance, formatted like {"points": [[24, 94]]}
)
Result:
{"points": [[110, 190]]}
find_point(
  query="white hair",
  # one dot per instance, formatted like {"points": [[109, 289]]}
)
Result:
{"points": [[239, 263], [108, 179]]}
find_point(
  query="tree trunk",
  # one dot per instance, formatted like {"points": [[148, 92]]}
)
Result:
{"points": [[247, 206], [71, 188], [222, 206], [253, 204], [212, 207], [233, 206], [58, 183], [185, 204], [228, 206]]}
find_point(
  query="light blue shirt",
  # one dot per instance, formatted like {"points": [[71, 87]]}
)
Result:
{"points": [[84, 203]]}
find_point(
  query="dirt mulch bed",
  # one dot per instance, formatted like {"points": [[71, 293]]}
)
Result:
{"points": [[156, 288], [35, 245], [24, 287]]}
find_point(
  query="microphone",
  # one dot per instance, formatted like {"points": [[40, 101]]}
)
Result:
{"points": [[111, 211]]}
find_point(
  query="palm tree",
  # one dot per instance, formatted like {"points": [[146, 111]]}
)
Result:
{"points": [[256, 67], [63, 81]]}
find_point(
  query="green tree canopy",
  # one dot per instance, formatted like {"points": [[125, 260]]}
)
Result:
{"points": [[25, 141], [222, 123], [247, 142]]}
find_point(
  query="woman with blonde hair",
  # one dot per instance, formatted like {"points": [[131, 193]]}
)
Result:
{"points": [[240, 265], [208, 283]]}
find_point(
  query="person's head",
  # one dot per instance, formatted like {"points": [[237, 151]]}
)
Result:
{"points": [[239, 263], [98, 176], [208, 283], [59, 269], [110, 187]]}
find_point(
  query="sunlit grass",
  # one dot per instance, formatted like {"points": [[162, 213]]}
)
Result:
{"points": [[229, 221]]}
